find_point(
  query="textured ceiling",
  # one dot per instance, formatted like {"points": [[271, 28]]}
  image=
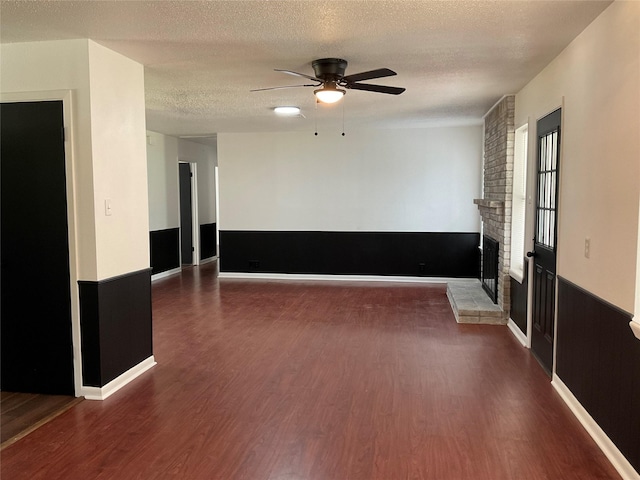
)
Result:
{"points": [[201, 58]]}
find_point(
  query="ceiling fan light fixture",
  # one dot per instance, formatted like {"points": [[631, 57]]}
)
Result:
{"points": [[329, 94], [287, 111]]}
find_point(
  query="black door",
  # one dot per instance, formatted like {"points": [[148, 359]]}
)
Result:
{"points": [[186, 223], [37, 349], [544, 276]]}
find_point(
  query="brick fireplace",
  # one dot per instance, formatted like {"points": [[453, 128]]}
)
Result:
{"points": [[495, 206]]}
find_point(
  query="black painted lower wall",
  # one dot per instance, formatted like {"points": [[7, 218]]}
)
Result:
{"points": [[598, 359], [164, 246], [115, 320], [518, 307], [207, 241], [351, 253]]}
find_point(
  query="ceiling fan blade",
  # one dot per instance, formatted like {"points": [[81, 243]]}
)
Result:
{"points": [[379, 73], [289, 72], [376, 88], [280, 88]]}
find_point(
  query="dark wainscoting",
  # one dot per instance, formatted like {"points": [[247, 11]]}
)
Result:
{"points": [[351, 253], [207, 241], [518, 306], [598, 359], [165, 249], [115, 317]]}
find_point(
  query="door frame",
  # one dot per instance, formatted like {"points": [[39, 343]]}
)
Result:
{"points": [[532, 192], [66, 96], [216, 181], [195, 225]]}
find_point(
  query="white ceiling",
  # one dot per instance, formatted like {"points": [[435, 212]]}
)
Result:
{"points": [[201, 58]]}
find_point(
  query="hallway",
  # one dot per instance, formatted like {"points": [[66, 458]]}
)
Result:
{"points": [[325, 380]]}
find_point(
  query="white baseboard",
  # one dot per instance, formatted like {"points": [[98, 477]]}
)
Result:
{"points": [[166, 274], [208, 260], [515, 330], [101, 393], [340, 278], [619, 462]]}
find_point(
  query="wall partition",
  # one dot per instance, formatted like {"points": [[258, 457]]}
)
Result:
{"points": [[383, 202]]}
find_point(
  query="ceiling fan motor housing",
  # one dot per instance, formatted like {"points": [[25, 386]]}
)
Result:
{"points": [[329, 69]]}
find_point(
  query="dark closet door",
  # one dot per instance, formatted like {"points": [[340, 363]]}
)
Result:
{"points": [[37, 349], [186, 223]]}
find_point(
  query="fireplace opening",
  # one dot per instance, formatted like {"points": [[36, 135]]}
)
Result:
{"points": [[490, 267]]}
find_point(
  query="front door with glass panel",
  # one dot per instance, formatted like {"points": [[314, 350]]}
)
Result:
{"points": [[544, 276]]}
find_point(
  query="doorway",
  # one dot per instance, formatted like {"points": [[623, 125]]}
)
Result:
{"points": [[189, 225], [545, 245], [36, 328]]}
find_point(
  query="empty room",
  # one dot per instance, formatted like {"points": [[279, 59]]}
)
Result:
{"points": [[320, 240]]}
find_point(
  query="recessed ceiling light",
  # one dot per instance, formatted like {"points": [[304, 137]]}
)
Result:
{"points": [[287, 111]]}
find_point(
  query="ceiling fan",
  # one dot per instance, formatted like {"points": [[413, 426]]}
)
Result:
{"points": [[329, 76]]}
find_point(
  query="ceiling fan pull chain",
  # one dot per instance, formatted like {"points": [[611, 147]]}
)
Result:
{"points": [[343, 119], [315, 115]]}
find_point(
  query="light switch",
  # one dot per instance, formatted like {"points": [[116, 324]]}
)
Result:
{"points": [[587, 247], [107, 207]]}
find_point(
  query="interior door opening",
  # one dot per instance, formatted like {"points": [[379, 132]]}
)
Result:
{"points": [[189, 226]]}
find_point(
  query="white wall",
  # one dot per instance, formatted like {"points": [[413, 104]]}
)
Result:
{"points": [[421, 180], [162, 178], [205, 157], [109, 160], [597, 81], [119, 162], [63, 65]]}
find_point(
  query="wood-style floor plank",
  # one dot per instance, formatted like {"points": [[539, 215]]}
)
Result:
{"points": [[22, 413], [299, 380]]}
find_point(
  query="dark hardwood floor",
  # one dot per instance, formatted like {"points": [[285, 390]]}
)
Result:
{"points": [[283, 380], [22, 413]]}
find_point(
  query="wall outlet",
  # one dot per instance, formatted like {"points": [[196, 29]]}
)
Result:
{"points": [[422, 268], [254, 264], [587, 247]]}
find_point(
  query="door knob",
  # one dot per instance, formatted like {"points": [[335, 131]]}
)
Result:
{"points": [[531, 254]]}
